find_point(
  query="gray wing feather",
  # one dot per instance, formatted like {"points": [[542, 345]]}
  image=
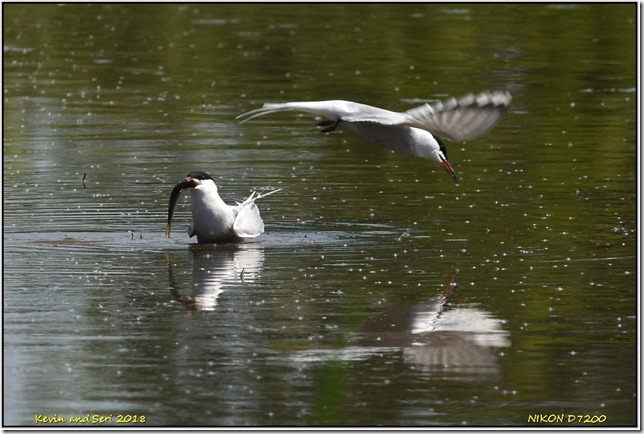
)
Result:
{"points": [[462, 119]]}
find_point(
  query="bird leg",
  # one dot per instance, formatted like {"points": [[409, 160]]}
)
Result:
{"points": [[330, 124]]}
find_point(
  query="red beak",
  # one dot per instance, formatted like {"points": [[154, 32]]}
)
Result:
{"points": [[449, 170], [188, 182]]}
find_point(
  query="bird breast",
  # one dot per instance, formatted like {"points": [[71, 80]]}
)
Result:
{"points": [[212, 219], [404, 140]]}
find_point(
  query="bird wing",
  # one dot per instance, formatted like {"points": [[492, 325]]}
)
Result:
{"points": [[459, 120], [326, 109], [248, 223], [348, 111]]}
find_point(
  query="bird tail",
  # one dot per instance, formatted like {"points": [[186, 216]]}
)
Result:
{"points": [[255, 196], [267, 108]]}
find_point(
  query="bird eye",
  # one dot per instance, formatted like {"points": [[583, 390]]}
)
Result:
{"points": [[441, 146], [197, 174]]}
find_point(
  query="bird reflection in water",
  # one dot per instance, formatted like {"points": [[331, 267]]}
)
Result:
{"points": [[215, 269], [435, 336]]}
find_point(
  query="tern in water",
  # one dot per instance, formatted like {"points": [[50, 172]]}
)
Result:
{"points": [[415, 132], [214, 221]]}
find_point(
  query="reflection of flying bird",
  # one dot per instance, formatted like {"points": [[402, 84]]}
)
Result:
{"points": [[434, 335], [214, 221], [457, 339], [415, 132]]}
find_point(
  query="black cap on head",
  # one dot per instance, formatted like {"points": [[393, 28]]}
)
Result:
{"points": [[441, 146], [197, 174]]}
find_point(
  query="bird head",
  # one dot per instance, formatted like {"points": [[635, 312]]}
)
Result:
{"points": [[196, 180], [440, 155]]}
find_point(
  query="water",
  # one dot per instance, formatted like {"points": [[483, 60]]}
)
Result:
{"points": [[381, 294]]}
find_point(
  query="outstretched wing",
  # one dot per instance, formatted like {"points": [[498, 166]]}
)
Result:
{"points": [[347, 111], [460, 120], [327, 109]]}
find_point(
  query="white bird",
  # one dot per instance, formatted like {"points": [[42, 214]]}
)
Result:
{"points": [[415, 132], [214, 221]]}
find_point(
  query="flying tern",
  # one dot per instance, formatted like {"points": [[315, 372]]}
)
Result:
{"points": [[416, 132]]}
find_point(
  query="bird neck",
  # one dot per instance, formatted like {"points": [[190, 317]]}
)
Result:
{"points": [[208, 196], [425, 145]]}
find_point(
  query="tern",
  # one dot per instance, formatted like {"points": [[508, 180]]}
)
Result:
{"points": [[416, 132], [213, 220]]}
